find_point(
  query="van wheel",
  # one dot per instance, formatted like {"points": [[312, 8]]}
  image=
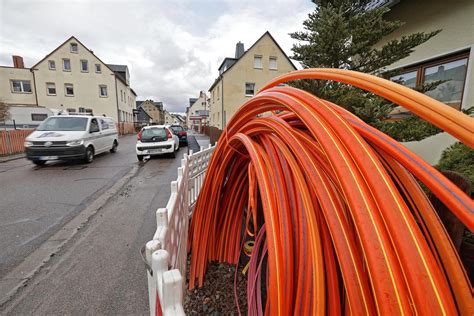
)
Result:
{"points": [[39, 162], [89, 156], [114, 147], [140, 157]]}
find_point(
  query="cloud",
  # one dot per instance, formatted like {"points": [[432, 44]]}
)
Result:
{"points": [[172, 48]]}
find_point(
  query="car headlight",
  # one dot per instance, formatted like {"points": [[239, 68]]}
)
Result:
{"points": [[75, 143], [28, 144]]}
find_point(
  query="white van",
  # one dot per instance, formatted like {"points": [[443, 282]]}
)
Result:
{"points": [[64, 137]]}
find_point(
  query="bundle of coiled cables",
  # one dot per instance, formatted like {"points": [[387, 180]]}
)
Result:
{"points": [[334, 207]]}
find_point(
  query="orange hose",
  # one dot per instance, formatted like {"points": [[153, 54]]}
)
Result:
{"points": [[347, 227]]}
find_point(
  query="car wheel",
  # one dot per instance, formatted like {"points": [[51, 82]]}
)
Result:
{"points": [[114, 147], [39, 162], [140, 157], [173, 154], [89, 155]]}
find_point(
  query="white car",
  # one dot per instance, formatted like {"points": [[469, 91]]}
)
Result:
{"points": [[66, 137], [156, 140]]}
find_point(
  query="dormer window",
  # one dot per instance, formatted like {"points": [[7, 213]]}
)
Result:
{"points": [[74, 48]]}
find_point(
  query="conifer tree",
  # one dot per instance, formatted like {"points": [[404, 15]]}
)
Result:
{"points": [[346, 34]]}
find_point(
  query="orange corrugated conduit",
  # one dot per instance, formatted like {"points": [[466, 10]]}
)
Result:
{"points": [[339, 225]]}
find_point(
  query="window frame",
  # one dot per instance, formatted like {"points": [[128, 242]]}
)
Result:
{"points": [[421, 67], [106, 91], [65, 89], [22, 87], [71, 45], [42, 115], [70, 66], [270, 63], [100, 68], [87, 64], [245, 87], [47, 89], [49, 64], [255, 57]]}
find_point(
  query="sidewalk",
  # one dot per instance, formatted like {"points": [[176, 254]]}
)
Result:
{"points": [[11, 157], [196, 141]]}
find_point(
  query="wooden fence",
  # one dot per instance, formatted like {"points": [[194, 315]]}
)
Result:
{"points": [[11, 142]]}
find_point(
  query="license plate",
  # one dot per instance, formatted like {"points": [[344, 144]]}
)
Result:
{"points": [[48, 158], [155, 151]]}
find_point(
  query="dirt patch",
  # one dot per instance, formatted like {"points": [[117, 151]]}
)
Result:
{"points": [[216, 297]]}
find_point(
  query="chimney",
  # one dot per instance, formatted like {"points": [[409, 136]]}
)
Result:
{"points": [[18, 62], [239, 50]]}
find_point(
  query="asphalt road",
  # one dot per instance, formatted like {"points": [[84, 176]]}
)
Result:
{"points": [[99, 270]]}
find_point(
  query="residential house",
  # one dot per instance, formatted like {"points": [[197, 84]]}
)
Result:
{"points": [[241, 77], [70, 79], [169, 119], [198, 113], [447, 56], [154, 110], [142, 117]]}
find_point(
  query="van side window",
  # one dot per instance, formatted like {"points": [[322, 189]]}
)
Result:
{"points": [[94, 126], [104, 124]]}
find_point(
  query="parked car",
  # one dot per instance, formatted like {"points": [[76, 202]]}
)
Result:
{"points": [[179, 131], [156, 140], [65, 137]]}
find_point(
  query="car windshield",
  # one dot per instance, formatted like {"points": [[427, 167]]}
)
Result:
{"points": [[63, 124], [149, 133], [177, 129]]}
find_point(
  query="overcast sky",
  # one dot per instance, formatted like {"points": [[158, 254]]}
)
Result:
{"points": [[172, 48]]}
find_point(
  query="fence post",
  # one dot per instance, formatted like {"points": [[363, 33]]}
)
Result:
{"points": [[173, 292], [160, 262], [150, 248]]}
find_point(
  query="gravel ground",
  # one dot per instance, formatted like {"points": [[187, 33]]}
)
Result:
{"points": [[216, 297]]}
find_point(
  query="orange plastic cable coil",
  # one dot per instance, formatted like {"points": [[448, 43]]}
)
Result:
{"points": [[338, 221]]}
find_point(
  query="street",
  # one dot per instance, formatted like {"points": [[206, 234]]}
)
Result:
{"points": [[89, 221]]}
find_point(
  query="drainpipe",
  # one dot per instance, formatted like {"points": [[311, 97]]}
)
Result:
{"points": [[34, 85], [116, 98], [222, 97]]}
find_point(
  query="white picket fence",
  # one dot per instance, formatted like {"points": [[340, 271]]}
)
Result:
{"points": [[166, 253]]}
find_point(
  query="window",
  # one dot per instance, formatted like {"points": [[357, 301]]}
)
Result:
{"points": [[407, 79], [249, 89], [69, 89], [74, 48], [272, 63], [21, 86], [94, 127], [38, 117], [66, 64], [50, 88], [103, 91], [97, 68], [121, 96], [89, 111], [218, 93], [257, 62], [51, 64], [71, 110], [82, 110], [451, 71], [84, 65], [104, 124]]}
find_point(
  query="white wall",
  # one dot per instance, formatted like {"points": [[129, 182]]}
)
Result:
{"points": [[86, 84], [6, 93]]}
